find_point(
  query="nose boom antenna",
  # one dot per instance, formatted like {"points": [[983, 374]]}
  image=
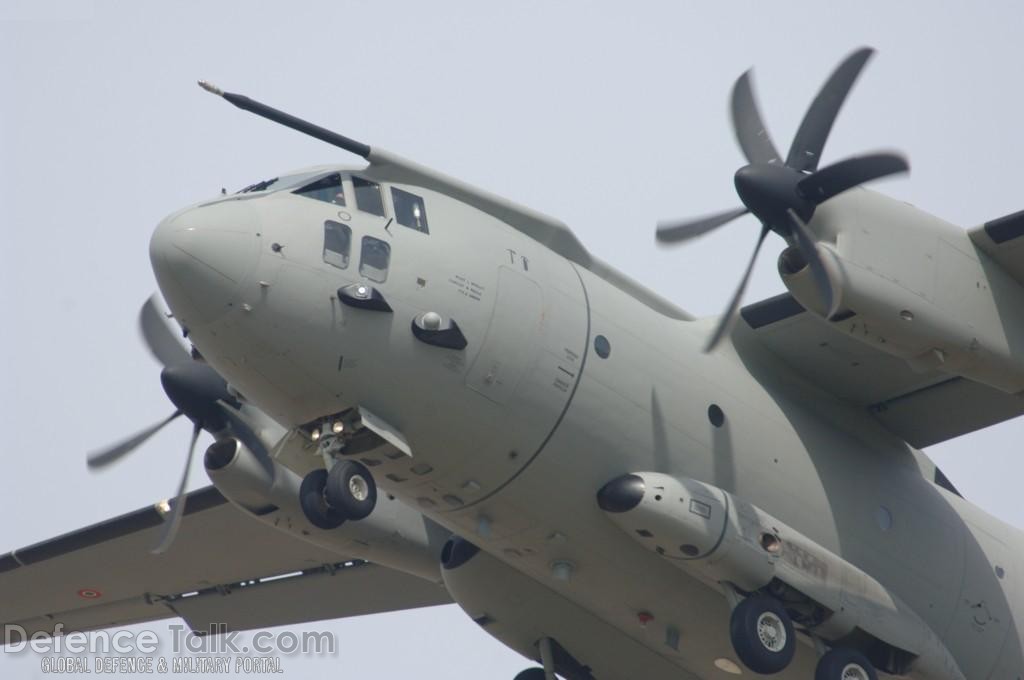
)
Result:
{"points": [[288, 120]]}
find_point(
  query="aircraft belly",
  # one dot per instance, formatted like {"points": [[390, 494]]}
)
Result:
{"points": [[641, 410]]}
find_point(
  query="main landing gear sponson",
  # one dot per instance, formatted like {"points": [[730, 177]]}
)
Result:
{"points": [[762, 634], [347, 492]]}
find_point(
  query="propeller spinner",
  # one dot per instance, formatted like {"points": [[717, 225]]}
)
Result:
{"points": [[784, 195], [199, 393]]}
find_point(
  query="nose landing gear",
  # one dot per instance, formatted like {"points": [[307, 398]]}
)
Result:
{"points": [[350, 489], [314, 504], [347, 492]]}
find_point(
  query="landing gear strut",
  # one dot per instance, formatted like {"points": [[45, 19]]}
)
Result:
{"points": [[762, 634], [545, 646], [347, 492]]}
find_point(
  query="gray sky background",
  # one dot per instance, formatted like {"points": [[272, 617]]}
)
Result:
{"points": [[607, 115]]}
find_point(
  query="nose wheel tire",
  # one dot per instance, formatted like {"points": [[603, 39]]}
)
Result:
{"points": [[762, 634], [531, 674], [311, 498], [844, 664], [351, 490]]}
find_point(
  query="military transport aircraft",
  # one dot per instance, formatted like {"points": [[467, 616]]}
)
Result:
{"points": [[423, 393]]}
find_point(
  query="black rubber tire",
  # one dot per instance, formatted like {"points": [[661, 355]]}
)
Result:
{"points": [[311, 499], [531, 674], [743, 630], [339, 492], [834, 662]]}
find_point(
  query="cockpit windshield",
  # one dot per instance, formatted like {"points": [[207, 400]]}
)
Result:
{"points": [[328, 189], [258, 186], [282, 182]]}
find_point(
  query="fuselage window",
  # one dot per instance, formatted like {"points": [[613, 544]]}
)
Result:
{"points": [[409, 210], [368, 198], [327, 189], [337, 243], [375, 259]]}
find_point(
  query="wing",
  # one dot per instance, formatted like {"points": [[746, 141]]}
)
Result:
{"points": [[905, 401], [223, 568], [1001, 240]]}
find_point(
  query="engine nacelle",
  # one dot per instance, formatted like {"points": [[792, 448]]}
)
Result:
{"points": [[732, 545], [915, 287], [254, 484]]}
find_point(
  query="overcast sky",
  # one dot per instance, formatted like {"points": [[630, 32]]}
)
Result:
{"points": [[606, 115]]}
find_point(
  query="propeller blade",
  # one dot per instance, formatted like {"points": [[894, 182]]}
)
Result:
{"points": [[171, 525], [725, 323], [846, 174], [99, 459], [810, 138], [805, 242], [159, 338], [751, 133], [676, 231]]}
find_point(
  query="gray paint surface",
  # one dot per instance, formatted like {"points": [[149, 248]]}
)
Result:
{"points": [[605, 116]]}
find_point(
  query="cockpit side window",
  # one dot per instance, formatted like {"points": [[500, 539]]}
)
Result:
{"points": [[368, 198], [375, 259], [327, 189], [409, 210], [337, 243]]}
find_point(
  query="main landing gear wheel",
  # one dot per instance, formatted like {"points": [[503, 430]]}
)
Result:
{"points": [[762, 634], [844, 664], [351, 490], [314, 507], [531, 674]]}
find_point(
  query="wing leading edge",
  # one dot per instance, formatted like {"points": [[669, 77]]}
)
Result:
{"points": [[224, 568], [904, 401]]}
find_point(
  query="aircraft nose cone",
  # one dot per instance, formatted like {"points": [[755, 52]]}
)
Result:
{"points": [[201, 258]]}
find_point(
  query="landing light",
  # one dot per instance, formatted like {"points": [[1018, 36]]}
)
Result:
{"points": [[337, 427], [315, 434]]}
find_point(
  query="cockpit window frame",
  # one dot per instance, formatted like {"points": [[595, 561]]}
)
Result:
{"points": [[323, 194], [410, 210], [359, 186]]}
